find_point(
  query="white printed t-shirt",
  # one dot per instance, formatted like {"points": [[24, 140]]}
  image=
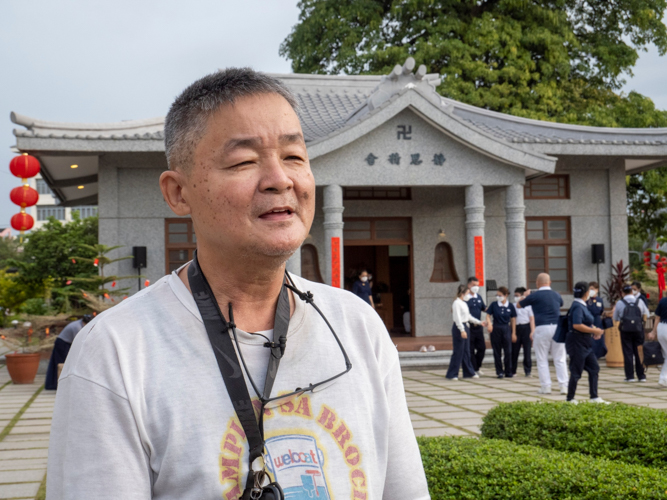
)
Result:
{"points": [[142, 411]]}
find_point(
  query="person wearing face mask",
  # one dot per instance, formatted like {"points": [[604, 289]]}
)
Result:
{"points": [[362, 288], [595, 306], [631, 313], [579, 344], [461, 336], [659, 333], [476, 307], [522, 335], [501, 321]]}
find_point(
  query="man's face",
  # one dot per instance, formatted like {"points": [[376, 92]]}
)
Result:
{"points": [[250, 189], [472, 284]]}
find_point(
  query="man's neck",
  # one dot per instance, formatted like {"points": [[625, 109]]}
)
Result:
{"points": [[252, 289], [544, 287]]}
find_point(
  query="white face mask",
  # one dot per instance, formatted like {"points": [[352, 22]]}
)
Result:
{"points": [[592, 293], [500, 299], [474, 289], [364, 279], [517, 299], [466, 297], [635, 293]]}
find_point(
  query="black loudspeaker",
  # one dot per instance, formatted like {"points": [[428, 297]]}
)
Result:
{"points": [[597, 252], [139, 254]]}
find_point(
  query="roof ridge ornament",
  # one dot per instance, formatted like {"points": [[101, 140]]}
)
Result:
{"points": [[400, 78]]}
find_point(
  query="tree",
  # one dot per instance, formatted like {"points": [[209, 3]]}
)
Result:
{"points": [[9, 249], [647, 205], [97, 283], [558, 60]]}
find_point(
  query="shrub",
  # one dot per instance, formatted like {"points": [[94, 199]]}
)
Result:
{"points": [[492, 469], [617, 431]]}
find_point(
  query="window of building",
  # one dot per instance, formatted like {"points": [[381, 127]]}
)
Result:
{"points": [[377, 193], [551, 187], [43, 187], [444, 270], [310, 264], [396, 231], [180, 242], [549, 250], [86, 211], [43, 213]]}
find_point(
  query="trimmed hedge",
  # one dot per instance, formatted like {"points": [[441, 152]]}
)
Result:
{"points": [[617, 431], [491, 469]]}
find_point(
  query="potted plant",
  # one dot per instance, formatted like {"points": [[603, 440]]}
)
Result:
{"points": [[613, 290], [28, 339]]}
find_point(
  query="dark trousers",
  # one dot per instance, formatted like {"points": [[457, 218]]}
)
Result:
{"points": [[582, 357], [501, 340], [461, 355], [600, 347], [59, 355], [629, 342], [477, 346], [522, 341]]}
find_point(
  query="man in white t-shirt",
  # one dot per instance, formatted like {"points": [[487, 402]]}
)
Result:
{"points": [[142, 410]]}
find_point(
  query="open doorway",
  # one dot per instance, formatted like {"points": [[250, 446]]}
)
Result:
{"points": [[382, 246]]}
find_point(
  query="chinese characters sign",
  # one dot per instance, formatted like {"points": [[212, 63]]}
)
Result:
{"points": [[438, 159]]}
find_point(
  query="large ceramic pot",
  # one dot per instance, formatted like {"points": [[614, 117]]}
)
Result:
{"points": [[22, 368], [612, 338]]}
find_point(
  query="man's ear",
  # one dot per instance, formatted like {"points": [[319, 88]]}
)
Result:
{"points": [[173, 185]]}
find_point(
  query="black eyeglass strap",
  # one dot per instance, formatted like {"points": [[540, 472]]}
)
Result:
{"points": [[217, 329]]}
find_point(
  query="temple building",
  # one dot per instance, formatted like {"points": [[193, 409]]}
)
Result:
{"points": [[421, 190]]}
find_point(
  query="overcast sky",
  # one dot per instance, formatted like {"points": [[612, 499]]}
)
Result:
{"points": [[83, 61]]}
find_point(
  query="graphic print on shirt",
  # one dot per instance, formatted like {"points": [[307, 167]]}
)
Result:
{"points": [[302, 460]]}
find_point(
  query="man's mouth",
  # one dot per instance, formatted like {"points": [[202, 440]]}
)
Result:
{"points": [[277, 214]]}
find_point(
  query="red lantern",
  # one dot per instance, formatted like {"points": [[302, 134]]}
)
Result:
{"points": [[95, 262], [657, 257], [647, 254], [24, 196], [22, 222], [147, 282], [24, 166]]}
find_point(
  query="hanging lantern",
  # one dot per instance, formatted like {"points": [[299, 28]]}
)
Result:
{"points": [[22, 222], [68, 282], [95, 262], [24, 196], [647, 254], [24, 166], [113, 284], [147, 282], [73, 261]]}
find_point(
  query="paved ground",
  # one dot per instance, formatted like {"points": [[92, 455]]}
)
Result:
{"points": [[441, 407], [438, 407]]}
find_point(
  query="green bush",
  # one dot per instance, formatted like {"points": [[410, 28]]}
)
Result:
{"points": [[617, 431], [492, 469], [35, 307]]}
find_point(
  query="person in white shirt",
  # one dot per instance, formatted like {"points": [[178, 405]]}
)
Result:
{"points": [[522, 333], [143, 410], [461, 337], [631, 312]]}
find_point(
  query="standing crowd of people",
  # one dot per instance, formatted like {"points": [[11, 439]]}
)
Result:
{"points": [[533, 319]]}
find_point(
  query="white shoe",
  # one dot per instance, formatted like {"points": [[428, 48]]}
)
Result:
{"points": [[563, 389], [642, 380], [479, 372], [599, 400], [455, 378], [544, 390], [662, 383], [629, 380], [431, 348], [423, 349], [573, 401], [475, 376]]}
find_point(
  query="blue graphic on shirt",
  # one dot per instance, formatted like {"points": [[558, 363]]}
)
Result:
{"points": [[297, 465]]}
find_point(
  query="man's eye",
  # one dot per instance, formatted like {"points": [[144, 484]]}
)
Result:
{"points": [[293, 157]]}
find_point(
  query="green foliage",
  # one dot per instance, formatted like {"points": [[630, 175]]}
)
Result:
{"points": [[619, 432], [8, 250], [47, 251], [14, 293], [558, 60], [35, 307], [647, 204], [490, 469], [96, 284]]}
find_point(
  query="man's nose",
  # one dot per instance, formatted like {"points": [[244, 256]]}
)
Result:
{"points": [[275, 176]]}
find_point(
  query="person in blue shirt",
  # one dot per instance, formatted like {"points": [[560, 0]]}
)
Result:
{"points": [[659, 332], [362, 288], [501, 320], [477, 343], [579, 343], [546, 304], [639, 292], [595, 306]]}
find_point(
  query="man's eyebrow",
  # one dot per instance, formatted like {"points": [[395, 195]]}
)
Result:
{"points": [[255, 142]]}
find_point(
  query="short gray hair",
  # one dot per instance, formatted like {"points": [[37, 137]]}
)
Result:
{"points": [[185, 123]]}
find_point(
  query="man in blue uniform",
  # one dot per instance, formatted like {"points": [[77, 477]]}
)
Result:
{"points": [[546, 305], [477, 343], [501, 320]]}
